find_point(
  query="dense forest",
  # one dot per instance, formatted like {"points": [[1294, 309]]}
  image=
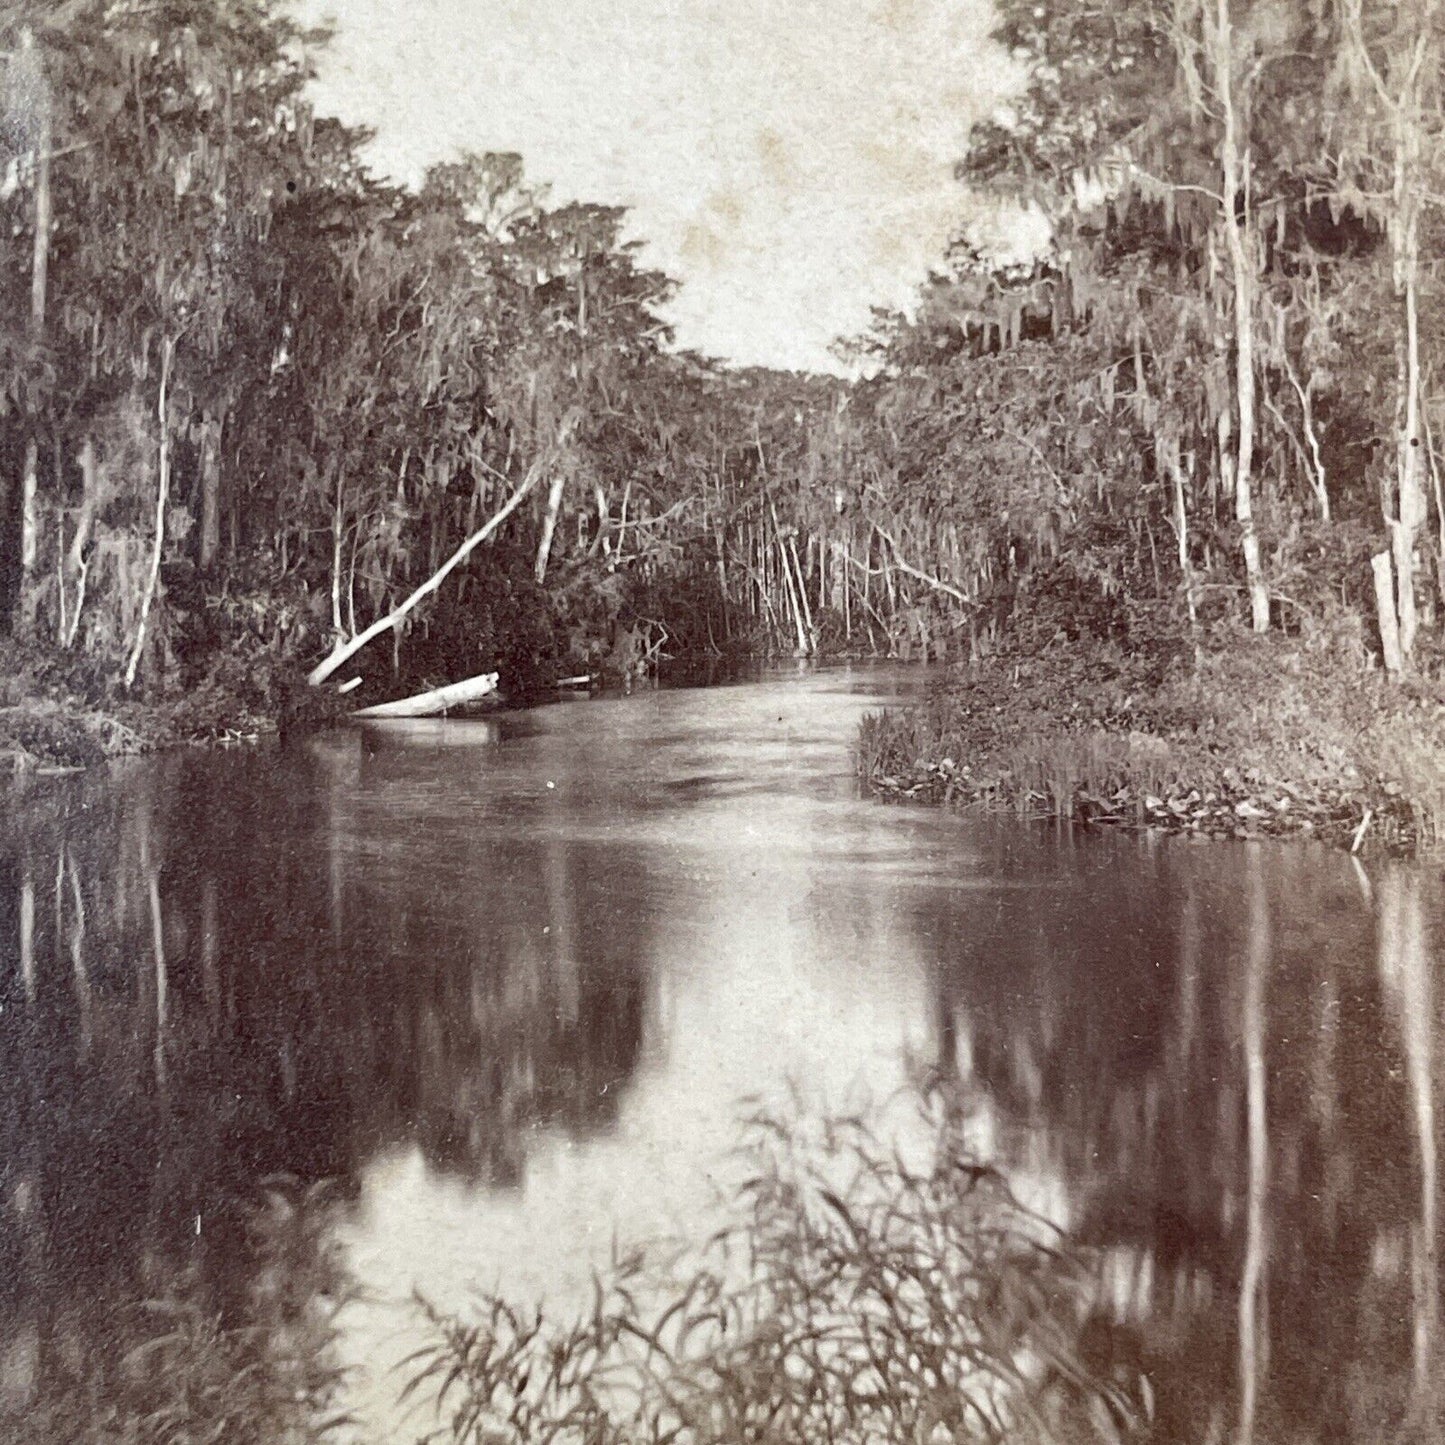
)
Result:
{"points": [[256, 401]]}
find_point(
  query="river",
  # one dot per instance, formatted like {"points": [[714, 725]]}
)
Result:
{"points": [[496, 988]]}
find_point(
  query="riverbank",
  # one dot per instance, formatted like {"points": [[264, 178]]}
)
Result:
{"points": [[1262, 737], [59, 713]]}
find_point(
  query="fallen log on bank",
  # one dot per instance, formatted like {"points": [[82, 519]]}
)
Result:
{"points": [[438, 700]]}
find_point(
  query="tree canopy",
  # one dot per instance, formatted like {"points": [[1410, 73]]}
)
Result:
{"points": [[254, 397]]}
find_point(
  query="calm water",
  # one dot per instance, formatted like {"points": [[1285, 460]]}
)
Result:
{"points": [[505, 982]]}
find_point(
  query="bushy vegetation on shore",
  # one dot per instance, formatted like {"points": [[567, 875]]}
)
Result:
{"points": [[1261, 737], [853, 1298], [848, 1297]]}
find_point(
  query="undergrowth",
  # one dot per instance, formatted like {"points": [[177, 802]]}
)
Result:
{"points": [[1255, 735]]}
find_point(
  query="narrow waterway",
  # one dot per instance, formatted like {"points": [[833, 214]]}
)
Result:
{"points": [[500, 986]]}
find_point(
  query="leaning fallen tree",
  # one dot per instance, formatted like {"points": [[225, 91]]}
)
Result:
{"points": [[344, 651]]}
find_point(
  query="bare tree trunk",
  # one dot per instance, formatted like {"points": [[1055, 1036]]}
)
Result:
{"points": [[1385, 612], [1235, 165], [76, 567], [344, 651], [802, 590], [338, 529], [1401, 87], [549, 524], [1319, 480], [1432, 457], [163, 491], [211, 432], [39, 281], [1410, 499], [789, 587], [30, 538], [722, 577], [1175, 468]]}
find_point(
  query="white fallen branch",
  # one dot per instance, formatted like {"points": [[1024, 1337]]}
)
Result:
{"points": [[439, 699]]}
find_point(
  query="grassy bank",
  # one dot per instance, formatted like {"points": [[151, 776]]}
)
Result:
{"points": [[1264, 736]]}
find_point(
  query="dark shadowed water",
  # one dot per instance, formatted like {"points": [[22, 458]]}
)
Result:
{"points": [[506, 981]]}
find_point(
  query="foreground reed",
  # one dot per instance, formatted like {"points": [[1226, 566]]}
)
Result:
{"points": [[853, 1298]]}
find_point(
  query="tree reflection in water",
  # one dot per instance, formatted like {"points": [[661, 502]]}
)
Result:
{"points": [[197, 1007], [1195, 1048], [1239, 1092]]}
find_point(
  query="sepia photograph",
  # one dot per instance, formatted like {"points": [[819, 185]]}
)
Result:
{"points": [[722, 722]]}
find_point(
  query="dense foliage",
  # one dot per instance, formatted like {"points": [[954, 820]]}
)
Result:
{"points": [[254, 399], [1212, 398]]}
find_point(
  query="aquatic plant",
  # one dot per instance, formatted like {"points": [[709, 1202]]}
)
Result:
{"points": [[853, 1297]]}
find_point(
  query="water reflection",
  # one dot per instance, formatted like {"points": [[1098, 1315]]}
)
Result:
{"points": [[505, 983], [1227, 1057]]}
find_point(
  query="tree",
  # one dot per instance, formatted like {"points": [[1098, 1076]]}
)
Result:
{"points": [[1389, 143]]}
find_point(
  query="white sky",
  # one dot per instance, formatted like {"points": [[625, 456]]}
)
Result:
{"points": [[790, 161]]}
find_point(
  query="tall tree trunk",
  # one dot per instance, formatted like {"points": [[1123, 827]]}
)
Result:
{"points": [[1385, 613], [1173, 464], [1239, 241], [76, 566], [1401, 86], [163, 494], [338, 532], [39, 281], [1410, 488], [1433, 457], [210, 540], [549, 523]]}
